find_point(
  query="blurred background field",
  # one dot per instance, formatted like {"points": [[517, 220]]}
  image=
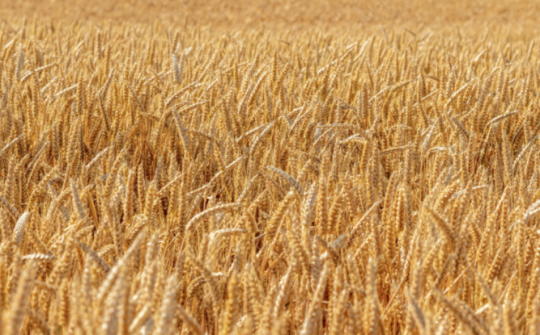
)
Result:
{"points": [[236, 14]]}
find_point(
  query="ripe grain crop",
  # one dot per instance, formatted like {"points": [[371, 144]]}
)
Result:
{"points": [[164, 180]]}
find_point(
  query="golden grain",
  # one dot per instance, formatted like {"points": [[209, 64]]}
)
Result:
{"points": [[289, 179]]}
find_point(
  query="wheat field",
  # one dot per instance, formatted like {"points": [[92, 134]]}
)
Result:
{"points": [[256, 170]]}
